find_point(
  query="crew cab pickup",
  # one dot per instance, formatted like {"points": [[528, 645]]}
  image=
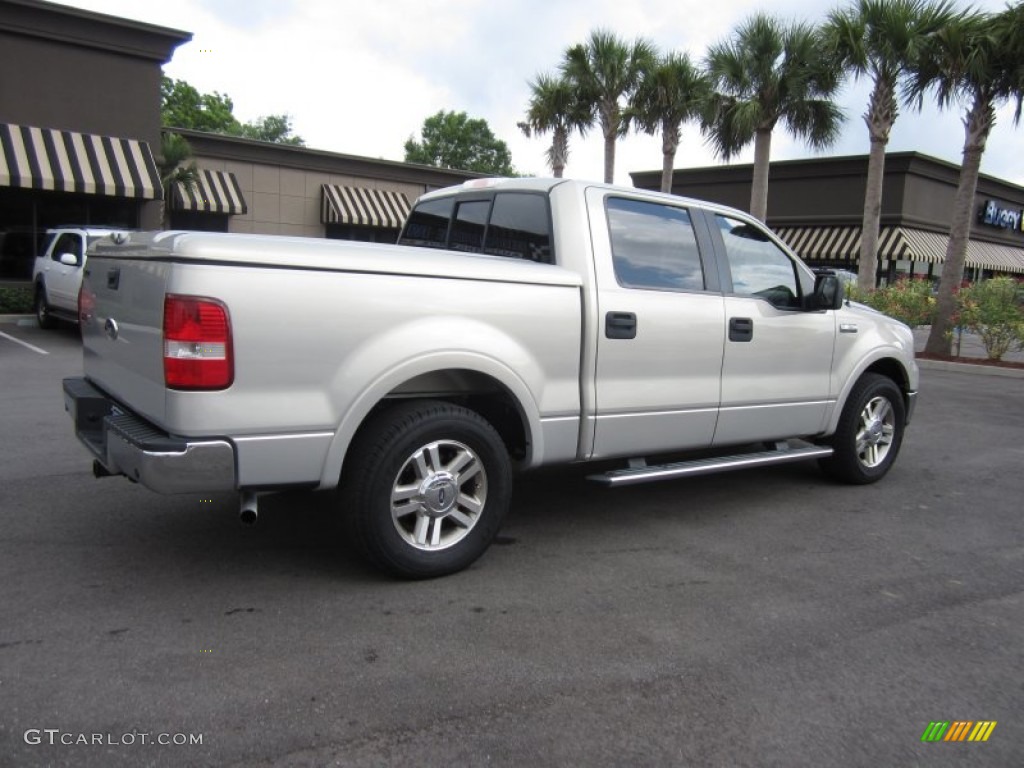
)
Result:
{"points": [[517, 323]]}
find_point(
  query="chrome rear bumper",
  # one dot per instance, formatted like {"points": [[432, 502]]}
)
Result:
{"points": [[125, 444]]}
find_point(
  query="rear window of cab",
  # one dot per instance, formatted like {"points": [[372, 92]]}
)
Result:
{"points": [[511, 224]]}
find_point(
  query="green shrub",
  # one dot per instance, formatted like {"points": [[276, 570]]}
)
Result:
{"points": [[15, 301], [992, 309], [909, 301]]}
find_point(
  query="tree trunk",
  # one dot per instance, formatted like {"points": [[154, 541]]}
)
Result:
{"points": [[610, 120], [669, 145], [977, 125], [668, 161], [759, 186], [881, 114], [868, 265], [559, 151], [609, 158]]}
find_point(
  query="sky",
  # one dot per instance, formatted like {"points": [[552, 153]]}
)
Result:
{"points": [[360, 77]]}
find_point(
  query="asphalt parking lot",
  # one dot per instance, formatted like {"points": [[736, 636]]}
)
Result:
{"points": [[764, 618]]}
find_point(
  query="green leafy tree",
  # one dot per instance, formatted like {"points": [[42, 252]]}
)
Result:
{"points": [[769, 73], [182, 106], [454, 140], [977, 60], [881, 40], [671, 92], [605, 71], [176, 167], [555, 108], [273, 128]]}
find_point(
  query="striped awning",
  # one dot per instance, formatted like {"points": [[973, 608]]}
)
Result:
{"points": [[1001, 258], [213, 192], [364, 207], [65, 161], [905, 244], [897, 243], [822, 242]]}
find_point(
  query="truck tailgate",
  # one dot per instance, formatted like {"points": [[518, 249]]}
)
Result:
{"points": [[122, 342]]}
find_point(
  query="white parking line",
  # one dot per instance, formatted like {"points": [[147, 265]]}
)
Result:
{"points": [[24, 344]]}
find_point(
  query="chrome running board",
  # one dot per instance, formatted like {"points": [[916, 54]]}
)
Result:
{"points": [[640, 472]]}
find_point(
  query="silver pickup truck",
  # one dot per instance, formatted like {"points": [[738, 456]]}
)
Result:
{"points": [[518, 323]]}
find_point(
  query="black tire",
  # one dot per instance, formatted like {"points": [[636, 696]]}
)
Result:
{"points": [[451, 475], [44, 317], [870, 432]]}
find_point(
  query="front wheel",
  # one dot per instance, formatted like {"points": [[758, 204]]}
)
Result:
{"points": [[427, 484], [43, 316], [870, 432]]}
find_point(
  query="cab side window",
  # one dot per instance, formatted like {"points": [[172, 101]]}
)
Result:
{"points": [[653, 246], [758, 266]]}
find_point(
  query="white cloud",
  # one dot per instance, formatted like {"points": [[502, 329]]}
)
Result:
{"points": [[359, 77]]}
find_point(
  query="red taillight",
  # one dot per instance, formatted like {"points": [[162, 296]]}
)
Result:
{"points": [[197, 344], [86, 305]]}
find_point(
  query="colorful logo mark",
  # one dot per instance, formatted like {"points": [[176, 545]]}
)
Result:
{"points": [[958, 730]]}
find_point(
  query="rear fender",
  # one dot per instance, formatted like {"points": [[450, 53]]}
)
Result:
{"points": [[385, 354]]}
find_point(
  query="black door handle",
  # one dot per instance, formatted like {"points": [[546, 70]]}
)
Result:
{"points": [[620, 325], [741, 329]]}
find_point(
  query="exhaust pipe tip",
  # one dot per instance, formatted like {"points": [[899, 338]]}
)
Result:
{"points": [[250, 508]]}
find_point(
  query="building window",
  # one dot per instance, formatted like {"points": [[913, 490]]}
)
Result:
{"points": [[361, 233], [199, 221]]}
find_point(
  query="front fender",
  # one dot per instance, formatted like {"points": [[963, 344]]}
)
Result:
{"points": [[881, 344]]}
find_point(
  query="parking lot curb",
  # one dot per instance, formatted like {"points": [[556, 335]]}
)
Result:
{"points": [[983, 370]]}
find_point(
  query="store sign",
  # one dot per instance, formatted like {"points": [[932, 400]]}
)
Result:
{"points": [[993, 215]]}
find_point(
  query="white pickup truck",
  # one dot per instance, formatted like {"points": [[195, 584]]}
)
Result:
{"points": [[57, 272], [517, 323]]}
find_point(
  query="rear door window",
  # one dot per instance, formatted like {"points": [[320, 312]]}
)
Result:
{"points": [[654, 246]]}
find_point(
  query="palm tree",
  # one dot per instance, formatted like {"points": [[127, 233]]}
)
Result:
{"points": [[555, 106], [174, 169], [672, 92], [605, 71], [770, 73], [978, 60], [881, 39]]}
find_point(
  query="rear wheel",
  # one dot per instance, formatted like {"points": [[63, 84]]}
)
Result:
{"points": [[427, 484], [43, 316], [870, 432]]}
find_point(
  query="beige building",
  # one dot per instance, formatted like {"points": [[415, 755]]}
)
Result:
{"points": [[80, 144], [257, 187]]}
